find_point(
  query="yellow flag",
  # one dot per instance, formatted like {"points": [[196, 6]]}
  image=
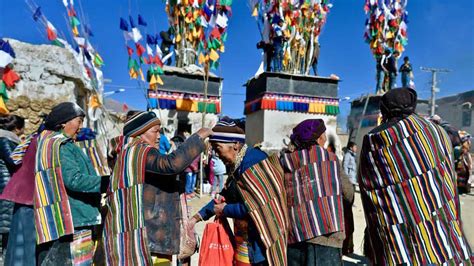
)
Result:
{"points": [[153, 80], [201, 59], [3, 107], [222, 49], [94, 101], [159, 81], [141, 75], [178, 38], [214, 56], [255, 12], [75, 31], [195, 33], [389, 35]]}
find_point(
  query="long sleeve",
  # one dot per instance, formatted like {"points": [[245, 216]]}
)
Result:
{"points": [[345, 163], [347, 186], [177, 161], [6, 149], [75, 175]]}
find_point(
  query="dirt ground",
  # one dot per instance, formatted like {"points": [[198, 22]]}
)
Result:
{"points": [[467, 214]]}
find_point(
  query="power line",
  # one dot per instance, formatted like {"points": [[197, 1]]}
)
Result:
{"points": [[434, 89]]}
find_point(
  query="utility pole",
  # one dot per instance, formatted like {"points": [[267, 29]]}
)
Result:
{"points": [[434, 90]]}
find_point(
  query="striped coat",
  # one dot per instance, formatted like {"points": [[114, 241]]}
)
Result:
{"points": [[125, 237], [313, 185], [52, 211], [407, 184], [262, 189]]}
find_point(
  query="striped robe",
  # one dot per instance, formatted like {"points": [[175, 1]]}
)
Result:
{"points": [[262, 189], [92, 150], [313, 185], [53, 218], [125, 237], [408, 191]]}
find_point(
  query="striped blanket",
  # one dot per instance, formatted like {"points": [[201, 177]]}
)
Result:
{"points": [[262, 188], [93, 152], [408, 192], [53, 217], [314, 193], [125, 237]]}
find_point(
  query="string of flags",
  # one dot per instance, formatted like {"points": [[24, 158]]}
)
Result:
{"points": [[8, 76], [291, 28], [84, 52], [293, 103], [200, 30], [386, 26], [144, 52]]}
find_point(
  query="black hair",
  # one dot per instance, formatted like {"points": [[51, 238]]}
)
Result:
{"points": [[12, 122], [351, 144], [131, 113], [406, 58]]}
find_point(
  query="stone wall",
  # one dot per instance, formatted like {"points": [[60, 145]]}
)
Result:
{"points": [[48, 75]]}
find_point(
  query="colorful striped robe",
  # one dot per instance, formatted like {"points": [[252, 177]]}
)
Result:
{"points": [[92, 150], [53, 217], [262, 188], [125, 237], [313, 186], [408, 191]]}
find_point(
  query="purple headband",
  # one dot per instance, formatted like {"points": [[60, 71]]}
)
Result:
{"points": [[308, 130]]}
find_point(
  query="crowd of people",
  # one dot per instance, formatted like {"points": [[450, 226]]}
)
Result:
{"points": [[289, 208]]}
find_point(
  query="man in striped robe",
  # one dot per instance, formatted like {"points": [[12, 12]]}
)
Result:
{"points": [[408, 189]]}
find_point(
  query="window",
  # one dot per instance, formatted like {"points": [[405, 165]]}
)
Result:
{"points": [[466, 114]]}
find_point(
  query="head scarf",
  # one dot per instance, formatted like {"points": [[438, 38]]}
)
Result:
{"points": [[63, 113], [307, 131], [398, 103]]}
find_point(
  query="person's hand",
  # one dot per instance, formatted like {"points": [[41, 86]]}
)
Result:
{"points": [[204, 132], [219, 209], [192, 222]]}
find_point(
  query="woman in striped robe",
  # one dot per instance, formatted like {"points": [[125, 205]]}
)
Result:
{"points": [[408, 189]]}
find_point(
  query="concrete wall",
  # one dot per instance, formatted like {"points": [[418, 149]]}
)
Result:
{"points": [[451, 110], [273, 128]]}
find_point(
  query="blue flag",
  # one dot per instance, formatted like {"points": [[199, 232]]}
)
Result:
{"points": [[123, 24], [141, 21]]}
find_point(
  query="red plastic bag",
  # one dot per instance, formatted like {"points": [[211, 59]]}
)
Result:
{"points": [[216, 245]]}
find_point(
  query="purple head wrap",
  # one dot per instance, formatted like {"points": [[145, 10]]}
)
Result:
{"points": [[307, 131]]}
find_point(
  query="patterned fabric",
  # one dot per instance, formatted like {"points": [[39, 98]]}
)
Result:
{"points": [[53, 217], [241, 255], [314, 193], [125, 237], [262, 188], [82, 248], [93, 152], [408, 192], [20, 150]]}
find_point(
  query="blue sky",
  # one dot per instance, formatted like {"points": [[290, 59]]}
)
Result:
{"points": [[441, 34]]}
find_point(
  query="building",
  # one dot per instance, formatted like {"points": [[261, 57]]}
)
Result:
{"points": [[180, 102], [365, 116], [457, 110], [277, 102]]}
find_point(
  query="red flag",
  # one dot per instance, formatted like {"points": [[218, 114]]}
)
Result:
{"points": [[140, 49], [125, 107], [158, 61], [10, 77], [215, 33], [51, 34], [129, 51]]}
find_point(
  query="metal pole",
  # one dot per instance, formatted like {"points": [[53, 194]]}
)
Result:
{"points": [[433, 93], [362, 116], [433, 71]]}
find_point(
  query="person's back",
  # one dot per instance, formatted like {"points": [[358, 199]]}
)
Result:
{"points": [[408, 190]]}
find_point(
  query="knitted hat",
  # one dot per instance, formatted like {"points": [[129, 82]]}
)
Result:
{"points": [[140, 123], [63, 113], [227, 131], [308, 131], [398, 103]]}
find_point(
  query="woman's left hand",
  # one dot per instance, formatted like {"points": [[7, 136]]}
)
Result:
{"points": [[219, 208]]}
